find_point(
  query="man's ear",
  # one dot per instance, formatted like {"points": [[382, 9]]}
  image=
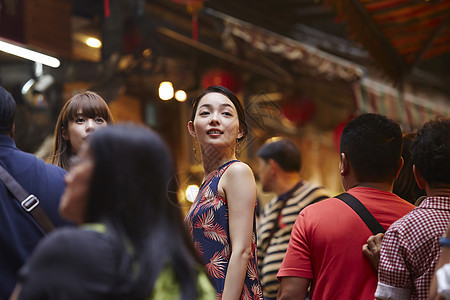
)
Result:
{"points": [[402, 162], [13, 130], [190, 127], [344, 165], [65, 134], [273, 165], [421, 182]]}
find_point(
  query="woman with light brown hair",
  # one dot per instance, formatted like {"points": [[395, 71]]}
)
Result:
{"points": [[80, 116]]}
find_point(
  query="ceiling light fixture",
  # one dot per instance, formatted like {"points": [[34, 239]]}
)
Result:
{"points": [[165, 90], [93, 42], [192, 192], [180, 95], [29, 54], [26, 87]]}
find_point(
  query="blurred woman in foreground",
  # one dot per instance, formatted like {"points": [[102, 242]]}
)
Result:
{"points": [[130, 242]]}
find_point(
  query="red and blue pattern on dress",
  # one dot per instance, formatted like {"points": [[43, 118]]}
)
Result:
{"points": [[207, 222]]}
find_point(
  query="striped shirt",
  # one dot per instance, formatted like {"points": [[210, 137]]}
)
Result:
{"points": [[271, 251]]}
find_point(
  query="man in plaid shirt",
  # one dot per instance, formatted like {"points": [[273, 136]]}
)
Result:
{"points": [[410, 248]]}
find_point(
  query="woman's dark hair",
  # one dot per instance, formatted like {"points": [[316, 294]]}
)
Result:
{"points": [[430, 151], [227, 93], [284, 152], [405, 185], [133, 191], [92, 105], [373, 145]]}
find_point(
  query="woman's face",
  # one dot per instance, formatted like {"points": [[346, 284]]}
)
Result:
{"points": [[216, 121], [74, 200], [80, 128]]}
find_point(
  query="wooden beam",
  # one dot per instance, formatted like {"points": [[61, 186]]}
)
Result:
{"points": [[312, 11], [225, 56], [365, 29], [429, 43], [378, 33]]}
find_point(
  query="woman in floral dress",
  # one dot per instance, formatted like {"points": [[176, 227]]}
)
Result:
{"points": [[221, 220]]}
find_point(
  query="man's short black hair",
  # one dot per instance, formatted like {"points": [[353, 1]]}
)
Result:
{"points": [[7, 111], [284, 152], [373, 143], [431, 151]]}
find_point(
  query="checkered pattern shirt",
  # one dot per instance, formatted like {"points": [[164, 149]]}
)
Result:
{"points": [[410, 251]]}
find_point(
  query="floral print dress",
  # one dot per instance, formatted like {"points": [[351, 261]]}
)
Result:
{"points": [[207, 222]]}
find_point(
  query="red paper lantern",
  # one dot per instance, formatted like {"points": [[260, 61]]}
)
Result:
{"points": [[299, 110], [337, 132], [222, 77]]}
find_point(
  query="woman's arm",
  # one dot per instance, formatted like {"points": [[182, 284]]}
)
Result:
{"points": [[239, 188]]}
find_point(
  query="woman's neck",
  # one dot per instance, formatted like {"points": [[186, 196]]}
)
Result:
{"points": [[213, 158]]}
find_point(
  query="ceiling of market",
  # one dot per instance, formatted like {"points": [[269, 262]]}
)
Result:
{"points": [[276, 45], [165, 28]]}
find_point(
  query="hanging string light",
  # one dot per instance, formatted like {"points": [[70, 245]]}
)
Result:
{"points": [[193, 7], [106, 8], [165, 90], [180, 95]]}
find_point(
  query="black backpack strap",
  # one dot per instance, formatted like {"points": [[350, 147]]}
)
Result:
{"points": [[28, 202], [362, 212]]}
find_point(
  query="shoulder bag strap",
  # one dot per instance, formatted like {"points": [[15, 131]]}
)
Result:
{"points": [[28, 202], [362, 212]]}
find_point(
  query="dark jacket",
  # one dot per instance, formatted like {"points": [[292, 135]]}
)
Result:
{"points": [[19, 233]]}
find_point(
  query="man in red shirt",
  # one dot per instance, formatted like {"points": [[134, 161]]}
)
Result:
{"points": [[325, 247]]}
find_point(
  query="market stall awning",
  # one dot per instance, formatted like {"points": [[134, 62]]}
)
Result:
{"points": [[399, 34], [282, 54], [410, 108]]}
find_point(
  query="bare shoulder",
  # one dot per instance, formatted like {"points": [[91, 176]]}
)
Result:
{"points": [[239, 169], [238, 174]]}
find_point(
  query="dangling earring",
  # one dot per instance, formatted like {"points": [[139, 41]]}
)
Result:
{"points": [[194, 148], [194, 142]]}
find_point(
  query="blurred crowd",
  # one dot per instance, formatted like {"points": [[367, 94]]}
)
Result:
{"points": [[100, 218]]}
